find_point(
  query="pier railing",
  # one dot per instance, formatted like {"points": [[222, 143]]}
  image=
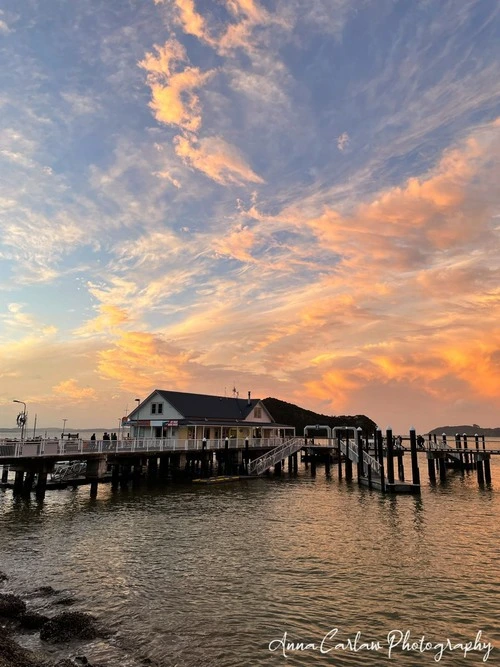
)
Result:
{"points": [[58, 448], [349, 448], [266, 461]]}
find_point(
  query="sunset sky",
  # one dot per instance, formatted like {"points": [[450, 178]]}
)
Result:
{"points": [[296, 198]]}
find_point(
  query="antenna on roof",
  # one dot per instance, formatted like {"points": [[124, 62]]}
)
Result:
{"points": [[235, 392]]}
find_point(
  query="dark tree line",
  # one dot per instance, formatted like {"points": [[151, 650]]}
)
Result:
{"points": [[288, 413]]}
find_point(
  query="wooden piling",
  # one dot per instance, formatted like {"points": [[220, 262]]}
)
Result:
{"points": [[480, 471], [359, 443], [247, 456], [466, 453], [401, 467], [41, 485], [379, 446], [487, 470], [442, 469], [339, 453], [431, 468], [5, 474], [415, 473], [18, 482], [28, 483], [390, 455]]}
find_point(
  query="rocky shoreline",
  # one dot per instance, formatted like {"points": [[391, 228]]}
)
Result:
{"points": [[64, 627]]}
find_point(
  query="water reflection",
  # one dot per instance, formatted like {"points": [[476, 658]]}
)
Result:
{"points": [[209, 575]]}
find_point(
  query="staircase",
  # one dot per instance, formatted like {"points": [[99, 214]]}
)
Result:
{"points": [[350, 450], [266, 461]]}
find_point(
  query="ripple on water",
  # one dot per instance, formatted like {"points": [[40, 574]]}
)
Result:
{"points": [[210, 575]]}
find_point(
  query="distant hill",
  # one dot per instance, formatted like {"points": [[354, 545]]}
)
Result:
{"points": [[467, 429], [288, 413]]}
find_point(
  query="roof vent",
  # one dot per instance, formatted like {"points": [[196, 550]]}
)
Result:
{"points": [[249, 402]]}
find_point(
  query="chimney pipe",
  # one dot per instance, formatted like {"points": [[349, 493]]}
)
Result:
{"points": [[249, 402]]}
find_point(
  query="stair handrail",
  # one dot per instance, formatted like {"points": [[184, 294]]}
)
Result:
{"points": [[350, 449], [264, 462]]}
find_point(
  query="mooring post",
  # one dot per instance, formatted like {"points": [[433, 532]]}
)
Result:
{"points": [[431, 466], [226, 456], [204, 462], [390, 455], [359, 443], [379, 446], [480, 469], [18, 482], [401, 467], [487, 470], [466, 454], [415, 473], [41, 485], [28, 483], [5, 474], [339, 453], [442, 467], [458, 446]]}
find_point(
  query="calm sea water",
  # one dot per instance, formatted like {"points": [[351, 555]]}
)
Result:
{"points": [[211, 575]]}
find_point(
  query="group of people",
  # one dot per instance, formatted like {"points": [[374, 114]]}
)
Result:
{"points": [[106, 436]]}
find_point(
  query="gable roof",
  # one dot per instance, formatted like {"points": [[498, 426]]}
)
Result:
{"points": [[201, 406]]}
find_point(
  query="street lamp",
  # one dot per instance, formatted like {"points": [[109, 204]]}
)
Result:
{"points": [[138, 401], [64, 426], [21, 418]]}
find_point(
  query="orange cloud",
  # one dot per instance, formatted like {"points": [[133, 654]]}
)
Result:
{"points": [[192, 22], [109, 318], [69, 389], [143, 361], [216, 159], [237, 244], [174, 101]]}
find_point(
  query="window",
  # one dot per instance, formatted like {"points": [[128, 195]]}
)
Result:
{"points": [[153, 408], [257, 413], [160, 408]]}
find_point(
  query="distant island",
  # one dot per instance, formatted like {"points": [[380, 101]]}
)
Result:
{"points": [[467, 429], [293, 415]]}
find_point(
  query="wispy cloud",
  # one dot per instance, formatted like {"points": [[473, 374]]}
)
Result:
{"points": [[343, 141]]}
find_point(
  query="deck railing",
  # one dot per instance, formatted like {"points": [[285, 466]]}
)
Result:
{"points": [[52, 448]]}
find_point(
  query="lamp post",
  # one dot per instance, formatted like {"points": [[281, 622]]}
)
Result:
{"points": [[21, 418], [64, 426], [138, 401]]}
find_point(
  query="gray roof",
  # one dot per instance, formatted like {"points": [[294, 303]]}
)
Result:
{"points": [[201, 406]]}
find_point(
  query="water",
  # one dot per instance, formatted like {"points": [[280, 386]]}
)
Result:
{"points": [[210, 575]]}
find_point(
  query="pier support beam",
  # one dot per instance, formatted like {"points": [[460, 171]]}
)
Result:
{"points": [[415, 473], [5, 474], [487, 470], [28, 483], [41, 485], [390, 455], [379, 446], [432, 469], [359, 443], [96, 470], [18, 482]]}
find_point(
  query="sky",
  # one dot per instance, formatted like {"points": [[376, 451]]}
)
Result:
{"points": [[297, 199]]}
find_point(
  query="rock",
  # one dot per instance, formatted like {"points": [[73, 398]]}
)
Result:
{"points": [[45, 590], [13, 655], [3, 577], [68, 626], [66, 602], [11, 606], [32, 620]]}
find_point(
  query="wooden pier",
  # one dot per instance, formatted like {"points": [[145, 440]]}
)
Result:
{"points": [[377, 462]]}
